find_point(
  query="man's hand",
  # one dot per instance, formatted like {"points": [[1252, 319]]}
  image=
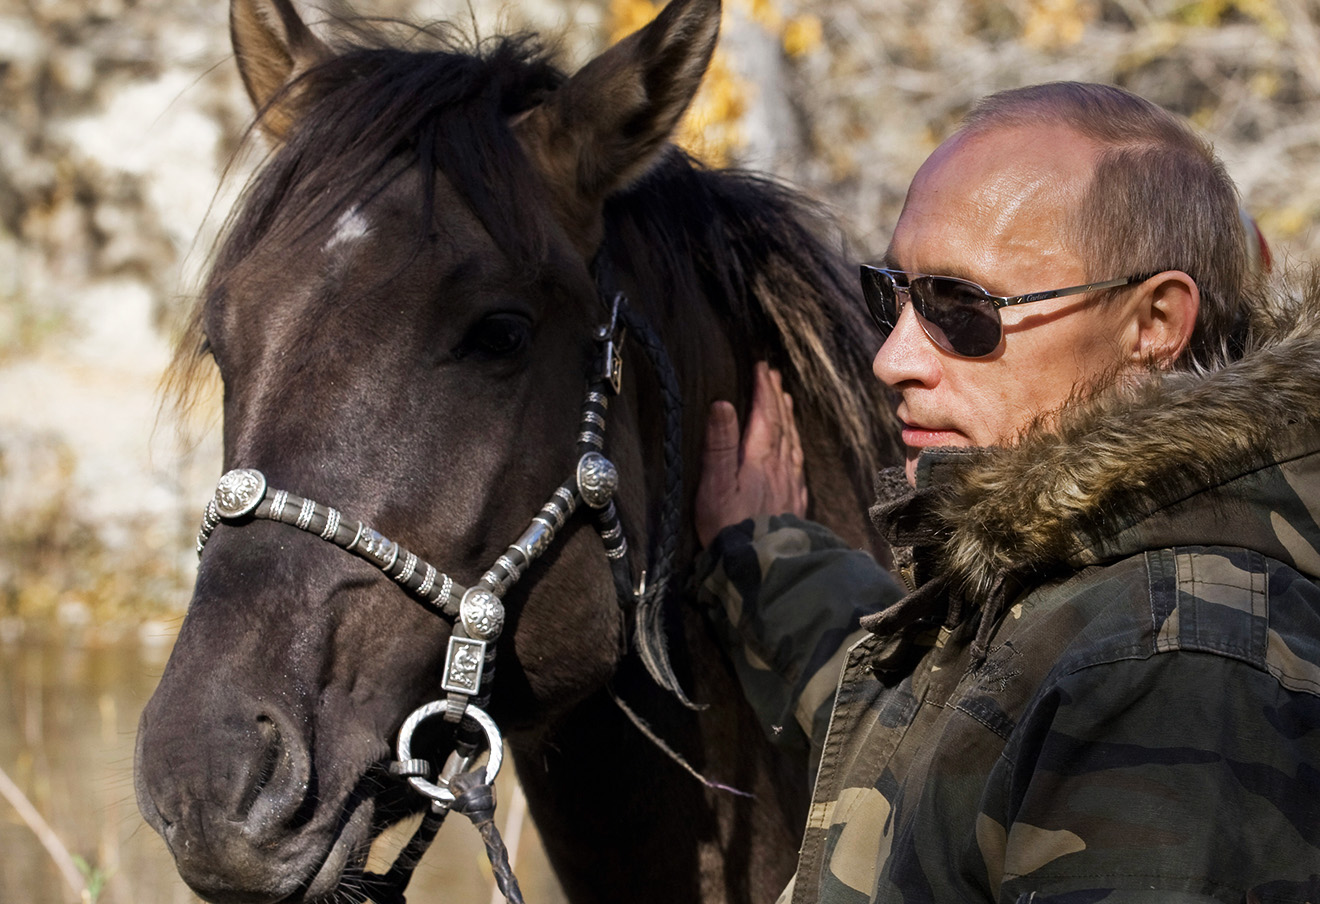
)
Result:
{"points": [[759, 473]]}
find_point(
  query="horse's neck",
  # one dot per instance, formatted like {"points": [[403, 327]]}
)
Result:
{"points": [[621, 820]]}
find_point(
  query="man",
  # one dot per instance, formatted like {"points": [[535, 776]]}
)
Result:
{"points": [[1102, 680]]}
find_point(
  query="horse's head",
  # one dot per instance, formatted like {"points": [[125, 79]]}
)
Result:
{"points": [[402, 316]]}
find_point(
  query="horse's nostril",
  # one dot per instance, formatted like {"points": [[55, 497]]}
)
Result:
{"points": [[226, 778], [279, 781], [271, 751]]}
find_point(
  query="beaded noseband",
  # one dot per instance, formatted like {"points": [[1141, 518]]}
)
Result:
{"points": [[477, 612]]}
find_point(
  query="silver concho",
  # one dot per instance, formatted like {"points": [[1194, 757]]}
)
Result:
{"points": [[597, 479], [240, 492], [482, 613]]}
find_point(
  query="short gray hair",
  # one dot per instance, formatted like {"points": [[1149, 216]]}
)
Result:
{"points": [[1159, 200]]}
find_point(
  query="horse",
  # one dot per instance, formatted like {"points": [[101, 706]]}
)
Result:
{"points": [[420, 312]]}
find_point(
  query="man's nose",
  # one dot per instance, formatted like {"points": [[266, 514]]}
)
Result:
{"points": [[908, 355]]}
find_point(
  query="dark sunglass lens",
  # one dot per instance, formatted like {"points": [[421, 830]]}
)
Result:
{"points": [[959, 316], [878, 291]]}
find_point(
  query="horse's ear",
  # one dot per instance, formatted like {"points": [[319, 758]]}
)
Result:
{"points": [[273, 46], [606, 125]]}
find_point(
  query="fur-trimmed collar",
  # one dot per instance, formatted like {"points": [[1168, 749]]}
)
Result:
{"points": [[1079, 492]]}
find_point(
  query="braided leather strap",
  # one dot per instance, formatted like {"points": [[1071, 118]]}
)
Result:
{"points": [[650, 630], [475, 799]]}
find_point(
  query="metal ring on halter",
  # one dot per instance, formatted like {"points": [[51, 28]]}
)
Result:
{"points": [[439, 791]]}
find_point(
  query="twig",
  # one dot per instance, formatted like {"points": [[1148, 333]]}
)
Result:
{"points": [[45, 834]]}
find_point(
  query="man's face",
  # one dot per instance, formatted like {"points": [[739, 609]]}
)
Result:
{"points": [[995, 209]]}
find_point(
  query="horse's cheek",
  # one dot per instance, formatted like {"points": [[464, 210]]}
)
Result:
{"points": [[569, 636]]}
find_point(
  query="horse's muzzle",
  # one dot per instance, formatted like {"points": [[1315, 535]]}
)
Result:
{"points": [[230, 807]]}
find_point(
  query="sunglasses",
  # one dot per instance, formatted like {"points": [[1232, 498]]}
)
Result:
{"points": [[958, 315]]}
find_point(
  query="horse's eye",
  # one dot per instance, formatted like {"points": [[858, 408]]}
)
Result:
{"points": [[496, 336]]}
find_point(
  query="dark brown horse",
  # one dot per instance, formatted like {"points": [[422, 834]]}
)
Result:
{"points": [[402, 314]]}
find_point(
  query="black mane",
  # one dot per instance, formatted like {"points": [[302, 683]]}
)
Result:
{"points": [[761, 254], [754, 248]]}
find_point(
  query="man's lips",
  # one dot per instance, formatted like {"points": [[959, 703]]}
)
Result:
{"points": [[920, 436]]}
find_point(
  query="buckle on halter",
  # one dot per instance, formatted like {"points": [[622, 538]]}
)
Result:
{"points": [[610, 336], [612, 367]]}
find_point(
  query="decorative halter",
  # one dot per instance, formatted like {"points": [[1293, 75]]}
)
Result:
{"points": [[477, 612]]}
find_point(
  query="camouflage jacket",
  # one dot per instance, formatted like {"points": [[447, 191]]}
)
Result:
{"points": [[1105, 681]]}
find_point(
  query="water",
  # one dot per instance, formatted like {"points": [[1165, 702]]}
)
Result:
{"points": [[68, 717]]}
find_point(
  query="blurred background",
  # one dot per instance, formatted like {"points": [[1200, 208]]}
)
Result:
{"points": [[119, 126]]}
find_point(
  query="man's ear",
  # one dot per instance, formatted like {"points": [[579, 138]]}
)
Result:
{"points": [[1165, 317]]}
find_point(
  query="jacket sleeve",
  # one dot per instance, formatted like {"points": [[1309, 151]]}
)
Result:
{"points": [[784, 596], [1183, 776]]}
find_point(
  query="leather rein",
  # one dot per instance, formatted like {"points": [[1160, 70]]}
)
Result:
{"points": [[477, 612]]}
